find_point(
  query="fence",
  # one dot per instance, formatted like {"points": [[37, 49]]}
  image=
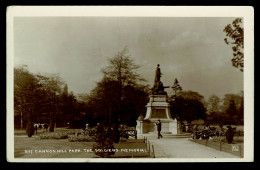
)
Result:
{"points": [[236, 148], [150, 148]]}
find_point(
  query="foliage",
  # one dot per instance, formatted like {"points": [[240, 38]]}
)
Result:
{"points": [[122, 70], [69, 108], [119, 96], [228, 97], [240, 113], [213, 104], [191, 95], [104, 144], [81, 138], [44, 98], [41, 98], [61, 134], [51, 84], [236, 34], [26, 94], [229, 134], [239, 133], [176, 86], [133, 104], [231, 112], [54, 135], [217, 118], [187, 109]]}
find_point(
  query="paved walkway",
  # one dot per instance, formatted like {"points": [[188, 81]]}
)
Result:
{"points": [[174, 147]]}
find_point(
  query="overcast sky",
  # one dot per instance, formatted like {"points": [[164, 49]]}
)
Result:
{"points": [[189, 49]]}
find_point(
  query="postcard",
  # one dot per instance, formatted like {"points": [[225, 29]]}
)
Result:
{"points": [[130, 84]]}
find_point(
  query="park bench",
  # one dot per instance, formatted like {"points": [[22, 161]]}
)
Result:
{"points": [[127, 133]]}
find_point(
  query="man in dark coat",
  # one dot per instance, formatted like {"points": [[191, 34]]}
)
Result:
{"points": [[159, 128]]}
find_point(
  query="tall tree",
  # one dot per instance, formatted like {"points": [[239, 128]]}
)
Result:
{"points": [[25, 88], [188, 106], [231, 112], [176, 86], [228, 97], [52, 84], [103, 99], [235, 33], [188, 109], [215, 114], [213, 104], [123, 71], [67, 105], [192, 95]]}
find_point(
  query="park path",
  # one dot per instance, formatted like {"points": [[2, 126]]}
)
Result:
{"points": [[176, 147]]}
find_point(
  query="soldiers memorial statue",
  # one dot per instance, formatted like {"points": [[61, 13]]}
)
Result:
{"points": [[157, 108]]}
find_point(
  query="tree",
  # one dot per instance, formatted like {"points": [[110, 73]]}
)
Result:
{"points": [[176, 86], [26, 86], [240, 116], [134, 103], [188, 106], [119, 97], [41, 98], [103, 101], [213, 104], [122, 70], [51, 84], [188, 109], [193, 95], [67, 106], [103, 142], [215, 113], [231, 112], [228, 97], [235, 32]]}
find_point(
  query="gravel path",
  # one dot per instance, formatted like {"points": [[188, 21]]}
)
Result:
{"points": [[174, 147]]}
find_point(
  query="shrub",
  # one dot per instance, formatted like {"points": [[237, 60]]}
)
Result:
{"points": [[30, 129], [104, 144], [81, 138], [239, 132], [53, 135], [229, 134]]}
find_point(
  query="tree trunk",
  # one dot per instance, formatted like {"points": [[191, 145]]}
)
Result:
{"points": [[51, 128], [52, 115]]}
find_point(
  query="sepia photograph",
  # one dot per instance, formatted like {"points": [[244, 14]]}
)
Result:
{"points": [[130, 84]]}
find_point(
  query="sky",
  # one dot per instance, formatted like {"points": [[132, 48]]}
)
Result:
{"points": [[77, 48]]}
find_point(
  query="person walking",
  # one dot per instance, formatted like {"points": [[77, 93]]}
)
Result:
{"points": [[159, 128]]}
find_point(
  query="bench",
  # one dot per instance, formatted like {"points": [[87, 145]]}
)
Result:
{"points": [[127, 133]]}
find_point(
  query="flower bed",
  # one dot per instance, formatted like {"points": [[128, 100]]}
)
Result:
{"points": [[81, 138], [53, 135], [58, 135]]}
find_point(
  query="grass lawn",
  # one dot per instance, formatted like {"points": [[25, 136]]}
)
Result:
{"points": [[236, 148], [25, 147]]}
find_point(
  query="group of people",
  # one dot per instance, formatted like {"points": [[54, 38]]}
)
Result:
{"points": [[217, 132], [43, 126], [85, 130]]}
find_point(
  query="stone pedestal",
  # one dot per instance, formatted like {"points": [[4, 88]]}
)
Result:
{"points": [[157, 108]]}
